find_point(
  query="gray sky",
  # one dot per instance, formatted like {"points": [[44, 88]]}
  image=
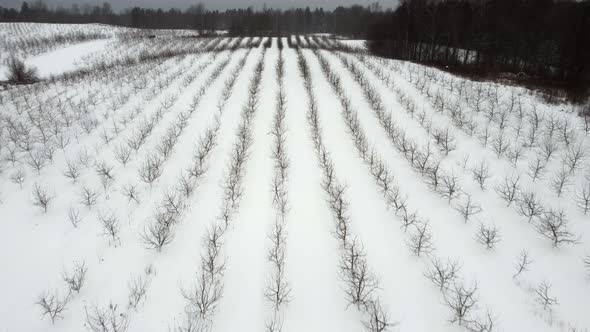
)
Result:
{"points": [[210, 4]]}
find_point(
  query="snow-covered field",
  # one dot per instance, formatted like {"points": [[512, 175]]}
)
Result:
{"points": [[242, 185]]}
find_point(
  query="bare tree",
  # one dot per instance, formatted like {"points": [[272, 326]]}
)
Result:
{"points": [[108, 319], [536, 168], [123, 154], [41, 197], [158, 233], [450, 187], [151, 169], [278, 290], [560, 181], [72, 170], [105, 172], [18, 177], [204, 297], [75, 280], [420, 239], [500, 144], [186, 185], [138, 287], [36, 160], [52, 305], [567, 132], [274, 323], [461, 300], [482, 324], [130, 191], [354, 271], [551, 125], [488, 236], [587, 265], [481, 173], [191, 323], [582, 197], [553, 224], [515, 153], [529, 205], [88, 197], [522, 264], [111, 225], [445, 140], [574, 157], [467, 208], [377, 320], [442, 274], [548, 147], [535, 119], [84, 158], [74, 216], [543, 297]]}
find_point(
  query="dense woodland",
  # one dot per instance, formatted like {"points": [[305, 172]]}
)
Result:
{"points": [[546, 42], [543, 42]]}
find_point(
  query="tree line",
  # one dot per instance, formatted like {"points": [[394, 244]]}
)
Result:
{"points": [[350, 21], [543, 41]]}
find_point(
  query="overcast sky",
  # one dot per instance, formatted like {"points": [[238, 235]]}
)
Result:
{"points": [[210, 4]]}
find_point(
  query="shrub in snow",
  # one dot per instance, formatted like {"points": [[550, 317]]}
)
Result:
{"points": [[18, 177], [108, 319], [111, 225], [481, 173], [19, 73], [130, 191], [88, 197], [52, 305], [41, 197], [138, 287], [75, 279], [74, 216]]}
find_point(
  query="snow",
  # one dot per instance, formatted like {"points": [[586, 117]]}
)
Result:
{"points": [[36, 247], [65, 59], [62, 60]]}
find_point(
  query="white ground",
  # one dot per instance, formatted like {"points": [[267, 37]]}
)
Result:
{"points": [[36, 247]]}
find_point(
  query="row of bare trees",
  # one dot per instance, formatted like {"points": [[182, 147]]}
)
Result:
{"points": [[204, 295], [423, 159], [361, 284], [547, 132], [278, 291], [551, 224], [420, 238], [48, 122], [443, 137], [159, 231], [460, 297]]}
